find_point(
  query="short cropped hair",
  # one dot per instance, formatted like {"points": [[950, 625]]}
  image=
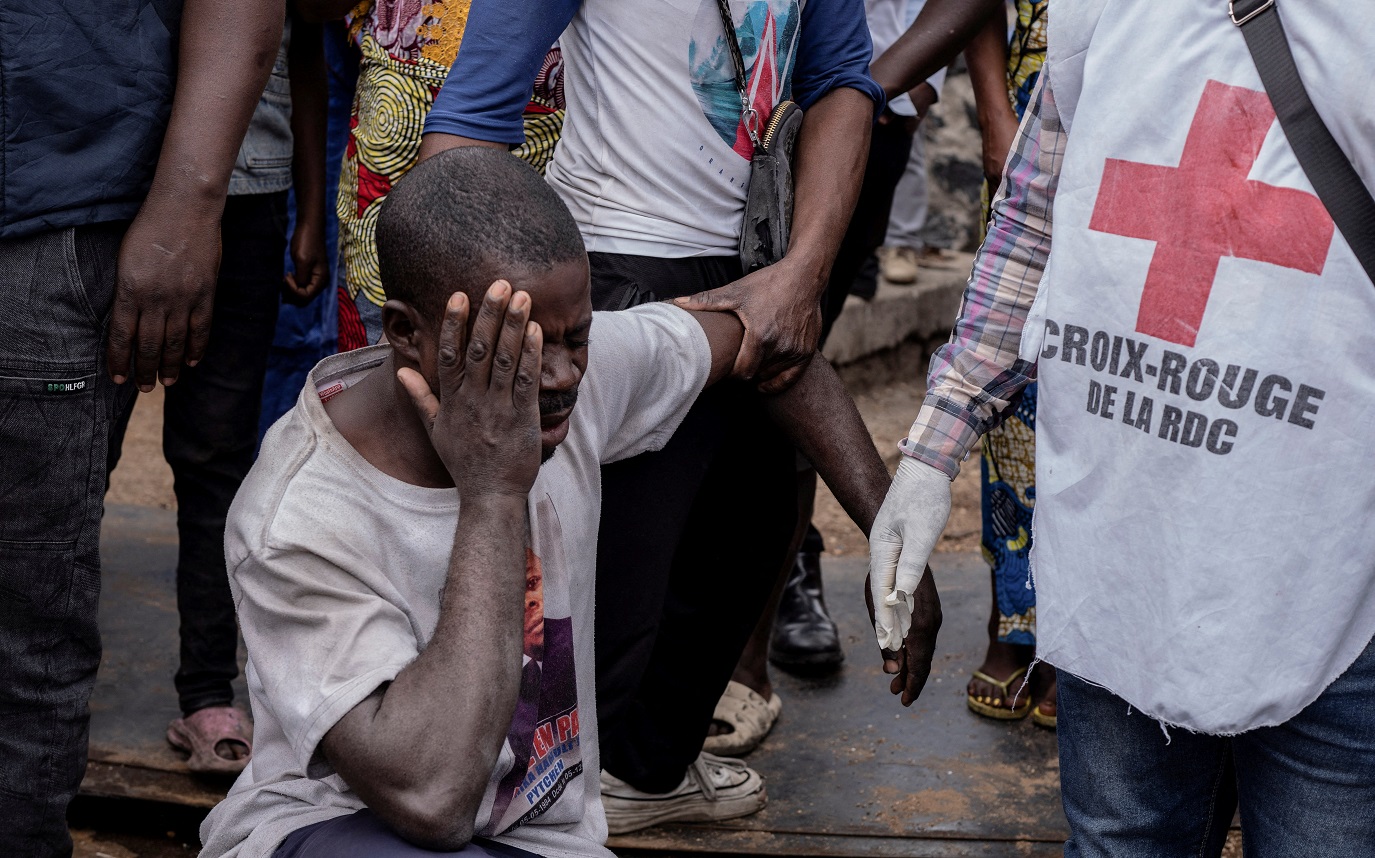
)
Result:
{"points": [[464, 217]]}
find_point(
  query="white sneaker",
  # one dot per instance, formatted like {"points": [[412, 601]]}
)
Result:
{"points": [[898, 265], [713, 788]]}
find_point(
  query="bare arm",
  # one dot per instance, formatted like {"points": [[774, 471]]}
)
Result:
{"points": [[819, 417], [309, 116], [987, 59], [935, 38], [170, 256], [484, 424]]}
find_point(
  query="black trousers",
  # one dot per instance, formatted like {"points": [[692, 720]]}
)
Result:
{"points": [[691, 540], [210, 435], [889, 148]]}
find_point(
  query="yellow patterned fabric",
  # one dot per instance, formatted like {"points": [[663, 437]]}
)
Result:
{"points": [[1008, 493], [389, 109]]}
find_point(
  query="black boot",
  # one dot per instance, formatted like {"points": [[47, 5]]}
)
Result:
{"points": [[805, 638]]}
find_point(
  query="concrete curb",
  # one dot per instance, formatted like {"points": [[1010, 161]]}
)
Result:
{"points": [[874, 339]]}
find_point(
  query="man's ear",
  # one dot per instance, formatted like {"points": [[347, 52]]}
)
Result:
{"points": [[403, 327]]}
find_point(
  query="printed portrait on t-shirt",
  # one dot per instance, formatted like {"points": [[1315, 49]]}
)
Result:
{"points": [[768, 34], [544, 735]]}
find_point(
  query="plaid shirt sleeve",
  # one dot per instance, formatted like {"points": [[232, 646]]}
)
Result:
{"points": [[976, 377]]}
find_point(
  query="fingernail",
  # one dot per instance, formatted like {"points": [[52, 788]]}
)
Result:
{"points": [[168, 381], [146, 388], [193, 362], [521, 301], [680, 300], [120, 379]]}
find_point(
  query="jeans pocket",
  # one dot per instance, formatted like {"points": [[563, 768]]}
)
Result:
{"points": [[48, 424], [92, 258]]}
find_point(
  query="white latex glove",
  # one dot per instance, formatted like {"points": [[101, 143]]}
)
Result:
{"points": [[904, 534]]}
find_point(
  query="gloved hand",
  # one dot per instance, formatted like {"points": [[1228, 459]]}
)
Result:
{"points": [[903, 536]]}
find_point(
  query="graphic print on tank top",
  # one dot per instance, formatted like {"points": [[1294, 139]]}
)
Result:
{"points": [[768, 32], [544, 734]]}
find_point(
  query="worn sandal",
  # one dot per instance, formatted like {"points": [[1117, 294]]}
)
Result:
{"points": [[1041, 719], [750, 717], [216, 740], [993, 708]]}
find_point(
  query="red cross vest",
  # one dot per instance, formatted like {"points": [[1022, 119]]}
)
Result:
{"points": [[1205, 464]]}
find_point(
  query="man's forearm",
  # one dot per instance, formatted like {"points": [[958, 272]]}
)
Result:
{"points": [[935, 38], [986, 57], [420, 751], [227, 51], [832, 148], [822, 420]]}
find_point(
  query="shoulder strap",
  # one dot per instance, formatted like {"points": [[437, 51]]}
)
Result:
{"points": [[1339, 186], [747, 112]]}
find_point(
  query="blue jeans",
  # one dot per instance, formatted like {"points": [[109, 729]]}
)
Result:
{"points": [[1305, 787], [57, 406], [363, 835]]}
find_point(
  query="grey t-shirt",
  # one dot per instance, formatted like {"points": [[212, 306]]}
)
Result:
{"points": [[337, 568]]}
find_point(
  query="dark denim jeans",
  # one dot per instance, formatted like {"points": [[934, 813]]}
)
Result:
{"points": [[209, 435], [57, 405], [363, 835], [1305, 787]]}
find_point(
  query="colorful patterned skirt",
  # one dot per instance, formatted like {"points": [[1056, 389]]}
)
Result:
{"points": [[389, 110], [1008, 493]]}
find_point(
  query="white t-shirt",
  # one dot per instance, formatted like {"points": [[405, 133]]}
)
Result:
{"points": [[653, 160], [337, 569], [888, 20]]}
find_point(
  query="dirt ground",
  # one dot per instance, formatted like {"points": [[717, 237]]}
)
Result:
{"points": [[142, 477]]}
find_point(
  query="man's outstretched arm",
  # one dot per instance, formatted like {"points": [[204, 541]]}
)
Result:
{"points": [[936, 37], [484, 423], [820, 417]]}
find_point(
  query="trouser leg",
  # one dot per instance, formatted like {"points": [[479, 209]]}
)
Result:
{"points": [[1131, 791], [669, 631], [210, 432], [645, 505], [888, 148], [736, 537], [56, 407], [910, 200], [363, 835], [1307, 787]]}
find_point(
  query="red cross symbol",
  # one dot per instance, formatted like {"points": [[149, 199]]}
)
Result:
{"points": [[1207, 208]]}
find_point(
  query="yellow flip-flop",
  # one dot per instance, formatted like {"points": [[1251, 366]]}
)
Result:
{"points": [[988, 709], [1041, 719]]}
